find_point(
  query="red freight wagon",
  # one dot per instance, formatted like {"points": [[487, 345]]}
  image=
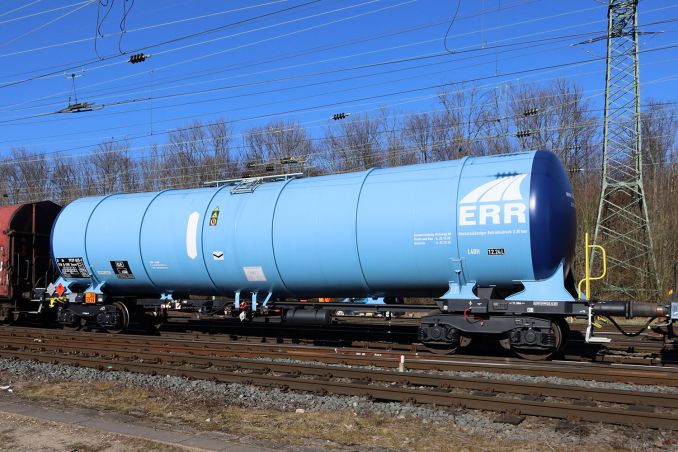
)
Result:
{"points": [[25, 257]]}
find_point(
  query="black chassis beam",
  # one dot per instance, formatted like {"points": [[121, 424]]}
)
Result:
{"points": [[496, 324], [488, 316], [510, 307], [90, 310]]}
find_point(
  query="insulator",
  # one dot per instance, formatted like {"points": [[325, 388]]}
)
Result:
{"points": [[339, 116], [530, 112], [523, 133], [138, 58]]}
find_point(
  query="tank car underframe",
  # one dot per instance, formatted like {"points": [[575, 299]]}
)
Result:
{"points": [[532, 329]]}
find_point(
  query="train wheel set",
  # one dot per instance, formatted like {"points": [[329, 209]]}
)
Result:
{"points": [[490, 239]]}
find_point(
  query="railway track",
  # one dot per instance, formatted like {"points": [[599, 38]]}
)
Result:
{"points": [[363, 355], [401, 334], [305, 368]]}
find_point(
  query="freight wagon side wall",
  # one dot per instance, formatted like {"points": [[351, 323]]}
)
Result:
{"points": [[6, 214]]}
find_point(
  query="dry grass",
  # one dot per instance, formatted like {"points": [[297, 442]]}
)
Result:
{"points": [[332, 429]]}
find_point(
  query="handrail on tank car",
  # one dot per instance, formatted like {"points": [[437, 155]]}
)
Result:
{"points": [[269, 178], [587, 269]]}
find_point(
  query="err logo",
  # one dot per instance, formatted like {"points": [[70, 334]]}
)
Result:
{"points": [[495, 202]]}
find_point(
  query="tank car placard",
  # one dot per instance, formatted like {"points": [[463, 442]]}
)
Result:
{"points": [[254, 274], [122, 270], [72, 267]]}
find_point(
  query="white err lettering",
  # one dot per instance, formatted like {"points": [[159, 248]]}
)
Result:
{"points": [[489, 211], [514, 209], [467, 215], [483, 214]]}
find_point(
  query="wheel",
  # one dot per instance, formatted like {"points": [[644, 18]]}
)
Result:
{"points": [[153, 323], [442, 349], [123, 316], [546, 353], [5, 314], [76, 325], [462, 340], [565, 333]]}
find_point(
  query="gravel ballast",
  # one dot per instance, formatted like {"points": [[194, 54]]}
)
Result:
{"points": [[252, 397]]}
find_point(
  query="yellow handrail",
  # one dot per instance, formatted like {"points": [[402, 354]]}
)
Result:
{"points": [[587, 270]]}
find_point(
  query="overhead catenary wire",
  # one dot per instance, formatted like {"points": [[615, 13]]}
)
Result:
{"points": [[19, 8], [210, 55], [509, 44], [400, 102], [527, 42], [153, 26], [508, 135], [139, 49], [46, 24], [286, 56], [278, 37], [440, 85], [39, 13], [314, 74]]}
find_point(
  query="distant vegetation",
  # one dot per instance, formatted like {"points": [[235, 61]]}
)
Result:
{"points": [[466, 121]]}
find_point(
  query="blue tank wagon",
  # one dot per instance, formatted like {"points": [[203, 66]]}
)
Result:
{"points": [[491, 238]]}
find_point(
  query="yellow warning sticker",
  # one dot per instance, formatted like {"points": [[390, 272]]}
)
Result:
{"points": [[214, 218]]}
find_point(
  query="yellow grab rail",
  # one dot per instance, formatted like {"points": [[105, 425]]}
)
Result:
{"points": [[587, 270]]}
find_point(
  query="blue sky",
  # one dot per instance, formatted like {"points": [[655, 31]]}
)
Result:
{"points": [[302, 64]]}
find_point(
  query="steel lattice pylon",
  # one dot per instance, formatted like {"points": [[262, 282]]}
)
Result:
{"points": [[622, 226]]}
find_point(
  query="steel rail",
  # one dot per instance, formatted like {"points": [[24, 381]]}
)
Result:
{"points": [[382, 376], [667, 376], [437, 397]]}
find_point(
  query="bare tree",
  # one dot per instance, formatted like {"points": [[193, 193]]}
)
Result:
{"points": [[27, 180], [184, 156], [109, 169], [354, 144], [659, 122], [555, 118], [462, 126], [277, 147], [418, 135], [65, 179], [220, 164]]}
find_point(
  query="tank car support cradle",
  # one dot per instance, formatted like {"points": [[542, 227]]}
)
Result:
{"points": [[549, 289]]}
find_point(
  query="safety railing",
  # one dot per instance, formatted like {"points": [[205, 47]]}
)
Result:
{"points": [[587, 267]]}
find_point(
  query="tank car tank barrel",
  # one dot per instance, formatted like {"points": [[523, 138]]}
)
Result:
{"points": [[505, 222]]}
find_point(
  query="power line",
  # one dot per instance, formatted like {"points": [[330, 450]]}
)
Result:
{"points": [[45, 11], [412, 90], [440, 54], [400, 102], [544, 41], [287, 56], [46, 24], [507, 135], [169, 41]]}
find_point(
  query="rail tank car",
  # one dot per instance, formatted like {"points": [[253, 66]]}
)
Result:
{"points": [[504, 224], [490, 238]]}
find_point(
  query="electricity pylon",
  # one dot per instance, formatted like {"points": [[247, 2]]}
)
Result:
{"points": [[622, 226]]}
